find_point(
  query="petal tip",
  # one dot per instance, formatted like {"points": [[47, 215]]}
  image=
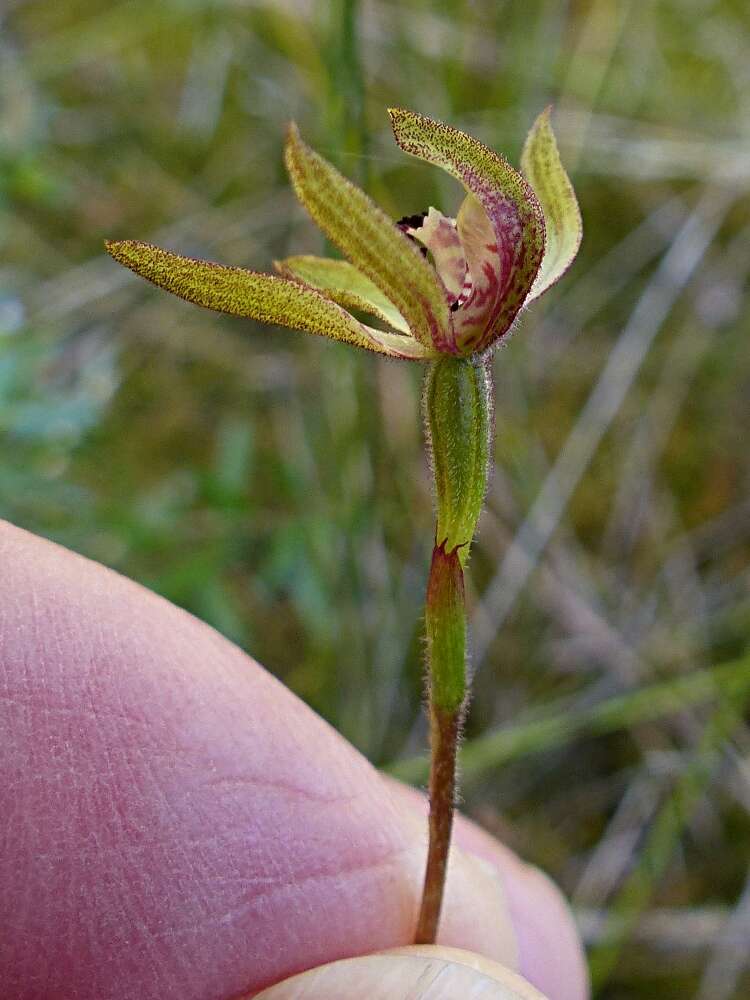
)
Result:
{"points": [[399, 118], [122, 250], [542, 166], [292, 140]]}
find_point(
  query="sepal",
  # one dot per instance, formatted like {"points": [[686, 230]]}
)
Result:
{"points": [[542, 167], [342, 282], [372, 242], [262, 297]]}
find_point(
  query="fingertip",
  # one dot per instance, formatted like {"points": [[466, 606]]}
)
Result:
{"points": [[412, 973], [550, 951]]}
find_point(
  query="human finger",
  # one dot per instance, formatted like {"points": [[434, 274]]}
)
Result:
{"points": [[176, 823]]}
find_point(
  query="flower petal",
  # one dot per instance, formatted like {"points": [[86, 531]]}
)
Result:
{"points": [[342, 282], [542, 167], [259, 296], [372, 242], [438, 234], [505, 267]]}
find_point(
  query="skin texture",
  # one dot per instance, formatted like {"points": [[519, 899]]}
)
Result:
{"points": [[175, 824]]}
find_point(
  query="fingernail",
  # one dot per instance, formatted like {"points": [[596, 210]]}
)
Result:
{"points": [[419, 973]]}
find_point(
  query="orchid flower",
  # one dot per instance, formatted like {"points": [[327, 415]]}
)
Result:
{"points": [[439, 285], [446, 290]]}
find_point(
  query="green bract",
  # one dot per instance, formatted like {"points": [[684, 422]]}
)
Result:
{"points": [[445, 630], [458, 417], [440, 285]]}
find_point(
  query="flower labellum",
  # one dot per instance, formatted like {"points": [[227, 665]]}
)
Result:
{"points": [[438, 285]]}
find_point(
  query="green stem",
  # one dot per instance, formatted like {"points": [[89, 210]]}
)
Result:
{"points": [[458, 416]]}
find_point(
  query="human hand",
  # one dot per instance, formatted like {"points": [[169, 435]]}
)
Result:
{"points": [[176, 824]]}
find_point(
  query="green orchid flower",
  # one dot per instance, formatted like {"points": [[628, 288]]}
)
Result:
{"points": [[441, 286], [446, 290]]}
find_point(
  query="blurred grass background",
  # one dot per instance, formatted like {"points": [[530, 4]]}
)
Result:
{"points": [[275, 485]]}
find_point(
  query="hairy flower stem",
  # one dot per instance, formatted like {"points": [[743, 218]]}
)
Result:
{"points": [[446, 632], [458, 417]]}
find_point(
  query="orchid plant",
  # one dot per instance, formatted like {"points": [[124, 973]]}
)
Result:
{"points": [[445, 292]]}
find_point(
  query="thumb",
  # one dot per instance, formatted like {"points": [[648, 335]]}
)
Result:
{"points": [[415, 973]]}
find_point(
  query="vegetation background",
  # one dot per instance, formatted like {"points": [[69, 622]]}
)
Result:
{"points": [[275, 484]]}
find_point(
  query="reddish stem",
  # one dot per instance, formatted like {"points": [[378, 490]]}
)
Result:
{"points": [[444, 731]]}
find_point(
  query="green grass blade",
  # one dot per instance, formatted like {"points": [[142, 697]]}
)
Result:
{"points": [[563, 725], [663, 837]]}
